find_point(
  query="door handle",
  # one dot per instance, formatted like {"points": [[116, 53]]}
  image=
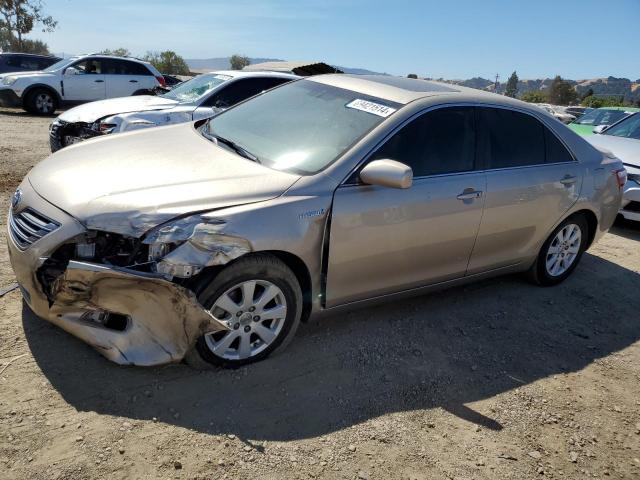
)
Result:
{"points": [[568, 180], [133, 81], [98, 81], [469, 194]]}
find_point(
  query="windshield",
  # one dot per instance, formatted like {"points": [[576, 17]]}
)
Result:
{"points": [[59, 64], [627, 128], [193, 89], [601, 116], [302, 126]]}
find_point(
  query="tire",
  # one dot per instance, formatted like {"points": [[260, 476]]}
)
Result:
{"points": [[549, 270], [269, 276], [41, 101]]}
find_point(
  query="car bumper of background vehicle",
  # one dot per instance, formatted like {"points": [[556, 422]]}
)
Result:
{"points": [[156, 321], [9, 98], [631, 201]]}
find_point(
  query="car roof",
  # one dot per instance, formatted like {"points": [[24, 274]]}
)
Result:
{"points": [[405, 90], [241, 73], [115, 57], [29, 54]]}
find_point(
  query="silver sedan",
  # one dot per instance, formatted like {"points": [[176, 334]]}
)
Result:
{"points": [[213, 240]]}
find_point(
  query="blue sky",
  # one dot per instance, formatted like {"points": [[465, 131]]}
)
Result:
{"points": [[445, 38]]}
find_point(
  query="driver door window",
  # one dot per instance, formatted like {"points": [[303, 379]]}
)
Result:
{"points": [[439, 142], [88, 82]]}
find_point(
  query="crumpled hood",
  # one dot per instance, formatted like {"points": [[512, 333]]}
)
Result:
{"points": [[90, 112], [134, 181], [626, 149]]}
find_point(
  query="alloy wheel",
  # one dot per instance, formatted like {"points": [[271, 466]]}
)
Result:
{"points": [[44, 103], [563, 250], [255, 312]]}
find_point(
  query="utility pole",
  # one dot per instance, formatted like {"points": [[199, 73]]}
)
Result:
{"points": [[496, 84]]}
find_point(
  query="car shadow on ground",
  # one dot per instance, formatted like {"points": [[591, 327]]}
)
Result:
{"points": [[17, 112], [626, 228], [441, 350]]}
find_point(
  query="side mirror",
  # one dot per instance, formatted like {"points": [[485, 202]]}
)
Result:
{"points": [[600, 129], [387, 173], [71, 71]]}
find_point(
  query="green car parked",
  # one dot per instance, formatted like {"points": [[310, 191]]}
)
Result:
{"points": [[585, 124]]}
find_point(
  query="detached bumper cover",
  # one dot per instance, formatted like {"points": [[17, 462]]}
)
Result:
{"points": [[9, 98], [165, 320]]}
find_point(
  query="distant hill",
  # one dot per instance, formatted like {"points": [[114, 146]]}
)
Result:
{"points": [[609, 86], [222, 63]]}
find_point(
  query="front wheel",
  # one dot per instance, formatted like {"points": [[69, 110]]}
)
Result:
{"points": [[561, 253], [259, 299], [41, 102]]}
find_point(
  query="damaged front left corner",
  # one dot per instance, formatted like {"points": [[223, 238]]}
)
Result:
{"points": [[184, 247]]}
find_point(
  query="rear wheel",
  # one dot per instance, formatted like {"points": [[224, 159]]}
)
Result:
{"points": [[259, 299], [561, 253], [41, 102]]}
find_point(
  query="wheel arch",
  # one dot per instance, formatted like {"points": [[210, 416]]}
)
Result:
{"points": [[295, 263], [300, 270], [592, 223], [44, 86]]}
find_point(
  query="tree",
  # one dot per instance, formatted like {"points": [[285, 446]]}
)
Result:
{"points": [[562, 92], [238, 62], [512, 86], [18, 17], [598, 102], [412, 75], [168, 62], [535, 96], [588, 93], [118, 52]]}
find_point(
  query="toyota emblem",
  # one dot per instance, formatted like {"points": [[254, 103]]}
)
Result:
{"points": [[15, 200]]}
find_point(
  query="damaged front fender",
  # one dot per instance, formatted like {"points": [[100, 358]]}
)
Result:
{"points": [[201, 242], [163, 320]]}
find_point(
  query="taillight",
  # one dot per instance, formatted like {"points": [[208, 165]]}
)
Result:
{"points": [[621, 177], [161, 81]]}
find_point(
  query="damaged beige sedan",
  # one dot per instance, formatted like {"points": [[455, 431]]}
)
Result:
{"points": [[211, 241]]}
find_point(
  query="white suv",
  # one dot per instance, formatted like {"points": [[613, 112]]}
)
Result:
{"points": [[77, 80]]}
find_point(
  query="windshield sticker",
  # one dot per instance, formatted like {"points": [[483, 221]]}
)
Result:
{"points": [[222, 77], [371, 107]]}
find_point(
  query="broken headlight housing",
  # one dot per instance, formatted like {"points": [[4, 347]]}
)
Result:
{"points": [[184, 247], [104, 127]]}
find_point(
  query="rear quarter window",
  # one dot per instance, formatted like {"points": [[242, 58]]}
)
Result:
{"points": [[555, 150]]}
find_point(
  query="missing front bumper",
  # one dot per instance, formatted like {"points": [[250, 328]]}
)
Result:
{"points": [[164, 320]]}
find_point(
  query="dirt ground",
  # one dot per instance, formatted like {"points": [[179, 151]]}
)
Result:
{"points": [[497, 380]]}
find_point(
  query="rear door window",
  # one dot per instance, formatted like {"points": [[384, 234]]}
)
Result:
{"points": [[510, 139], [125, 67], [439, 142]]}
